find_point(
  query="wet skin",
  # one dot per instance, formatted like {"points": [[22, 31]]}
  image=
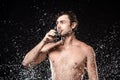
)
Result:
{"points": [[68, 63]]}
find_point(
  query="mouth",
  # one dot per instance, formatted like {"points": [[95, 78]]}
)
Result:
{"points": [[59, 31]]}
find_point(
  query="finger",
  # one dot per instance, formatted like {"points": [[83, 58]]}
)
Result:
{"points": [[51, 34], [52, 30], [50, 38]]}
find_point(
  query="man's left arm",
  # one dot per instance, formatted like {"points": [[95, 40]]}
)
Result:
{"points": [[91, 65]]}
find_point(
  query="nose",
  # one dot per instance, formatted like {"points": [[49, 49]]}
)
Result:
{"points": [[58, 26]]}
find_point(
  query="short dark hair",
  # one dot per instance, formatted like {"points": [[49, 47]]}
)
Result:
{"points": [[72, 16]]}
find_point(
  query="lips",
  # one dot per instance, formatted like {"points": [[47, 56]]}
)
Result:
{"points": [[59, 31]]}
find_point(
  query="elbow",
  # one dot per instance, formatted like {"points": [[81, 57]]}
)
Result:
{"points": [[25, 64], [28, 65]]}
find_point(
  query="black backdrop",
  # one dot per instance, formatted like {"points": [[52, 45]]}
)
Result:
{"points": [[24, 23]]}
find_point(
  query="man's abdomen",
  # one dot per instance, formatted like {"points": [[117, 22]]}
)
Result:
{"points": [[67, 74]]}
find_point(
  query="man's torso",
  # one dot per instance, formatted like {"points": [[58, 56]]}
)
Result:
{"points": [[67, 63]]}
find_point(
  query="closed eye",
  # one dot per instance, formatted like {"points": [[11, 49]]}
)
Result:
{"points": [[61, 22]]}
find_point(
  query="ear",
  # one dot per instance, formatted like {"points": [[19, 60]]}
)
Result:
{"points": [[74, 24]]}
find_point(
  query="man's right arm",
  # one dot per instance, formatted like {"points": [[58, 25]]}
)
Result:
{"points": [[32, 55], [39, 52]]}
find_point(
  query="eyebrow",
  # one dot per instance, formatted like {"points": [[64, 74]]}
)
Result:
{"points": [[60, 21]]}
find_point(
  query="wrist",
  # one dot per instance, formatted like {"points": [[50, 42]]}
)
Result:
{"points": [[44, 41]]}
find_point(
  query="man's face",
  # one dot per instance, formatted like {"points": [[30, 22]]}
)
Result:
{"points": [[63, 25]]}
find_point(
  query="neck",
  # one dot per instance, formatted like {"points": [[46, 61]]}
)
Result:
{"points": [[69, 39]]}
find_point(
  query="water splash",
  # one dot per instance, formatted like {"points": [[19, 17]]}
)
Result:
{"points": [[25, 37], [106, 48]]}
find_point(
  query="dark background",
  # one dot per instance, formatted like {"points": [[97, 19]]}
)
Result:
{"points": [[24, 23]]}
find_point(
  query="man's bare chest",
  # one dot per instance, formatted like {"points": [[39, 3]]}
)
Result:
{"points": [[69, 57]]}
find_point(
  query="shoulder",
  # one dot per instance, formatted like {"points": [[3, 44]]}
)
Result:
{"points": [[85, 47]]}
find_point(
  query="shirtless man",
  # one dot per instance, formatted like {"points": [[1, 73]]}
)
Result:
{"points": [[68, 57]]}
